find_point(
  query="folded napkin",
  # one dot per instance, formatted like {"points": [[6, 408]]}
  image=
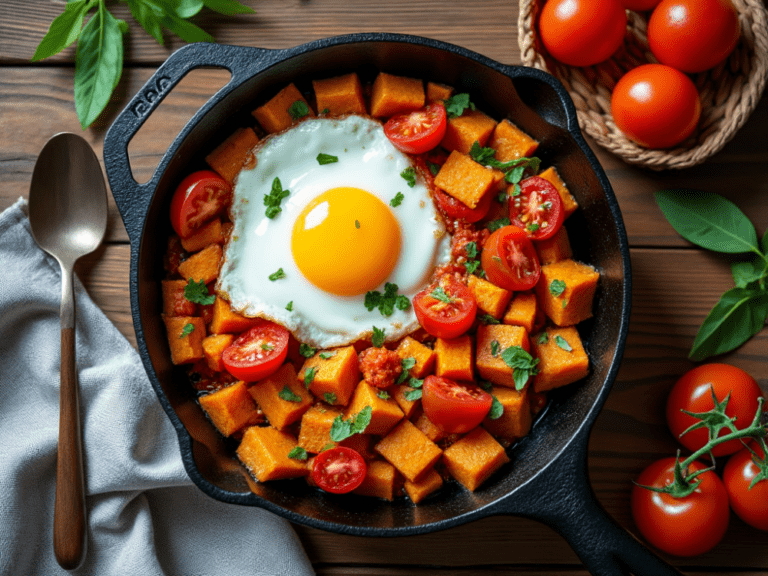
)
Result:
{"points": [[145, 517]]}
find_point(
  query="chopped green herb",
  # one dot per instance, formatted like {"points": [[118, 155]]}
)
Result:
{"points": [[267, 347], [415, 383], [563, 343], [556, 287], [378, 337], [406, 364], [298, 109], [485, 385], [273, 199], [495, 348], [412, 394], [494, 225], [543, 338], [470, 249], [513, 169], [522, 363], [497, 408], [323, 159], [488, 319], [501, 196], [197, 292], [328, 446], [565, 303], [383, 394], [433, 168], [456, 104], [309, 376], [289, 306], [387, 302], [330, 397], [397, 200], [471, 266], [328, 354], [409, 175], [288, 395], [277, 275], [298, 453], [532, 227], [306, 350], [441, 295], [187, 330], [342, 429], [496, 259], [357, 224]]}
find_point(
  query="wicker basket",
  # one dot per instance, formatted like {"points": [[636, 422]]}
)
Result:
{"points": [[728, 92]]}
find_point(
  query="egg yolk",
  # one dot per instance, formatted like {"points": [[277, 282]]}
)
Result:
{"points": [[346, 241]]}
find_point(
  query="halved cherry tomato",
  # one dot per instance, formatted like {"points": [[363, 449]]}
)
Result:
{"points": [[257, 353], [510, 260], [200, 197], [338, 470], [417, 132], [537, 209], [445, 309], [749, 504], [454, 408], [457, 210]]}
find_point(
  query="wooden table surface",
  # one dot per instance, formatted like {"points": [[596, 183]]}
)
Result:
{"points": [[674, 283]]}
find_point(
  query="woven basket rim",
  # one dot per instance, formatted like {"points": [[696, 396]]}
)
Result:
{"points": [[726, 104]]}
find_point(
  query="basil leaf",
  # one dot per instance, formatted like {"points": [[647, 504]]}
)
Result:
{"points": [[148, 17], [497, 408], [298, 453], [289, 395], [99, 63], [187, 8], [64, 30], [708, 220], [739, 315], [182, 28], [764, 243], [342, 429], [748, 271], [228, 7]]}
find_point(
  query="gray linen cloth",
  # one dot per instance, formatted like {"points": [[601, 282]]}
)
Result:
{"points": [[145, 517]]}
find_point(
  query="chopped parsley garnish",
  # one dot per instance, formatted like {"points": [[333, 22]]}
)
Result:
{"points": [[543, 338], [563, 343], [441, 295], [456, 104], [357, 224], [532, 227], [309, 376], [494, 225], [387, 302], [323, 158], [433, 168], [523, 365], [273, 199], [501, 196], [187, 330], [409, 175], [326, 355], [485, 385], [197, 292], [328, 447], [497, 408], [306, 350], [413, 394], [472, 263], [330, 397], [298, 109], [556, 287], [277, 275], [495, 348], [488, 319], [288, 395], [298, 453], [470, 249], [406, 364], [342, 429], [383, 394], [289, 306], [267, 347], [397, 200], [378, 337]]}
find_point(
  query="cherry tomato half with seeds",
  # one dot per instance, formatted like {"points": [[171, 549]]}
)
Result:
{"points": [[258, 352], [510, 260], [200, 197], [457, 210], [338, 470], [692, 392], [446, 309], [749, 504], [453, 407], [417, 132], [537, 208], [686, 526]]}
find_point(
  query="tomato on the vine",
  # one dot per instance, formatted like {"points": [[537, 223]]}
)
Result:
{"points": [[454, 407], [445, 309], [692, 392], [257, 353], [510, 260], [685, 526], [338, 470], [200, 197], [749, 504], [417, 132], [537, 209], [582, 32]]}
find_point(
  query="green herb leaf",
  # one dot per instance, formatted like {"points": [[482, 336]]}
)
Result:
{"points": [[739, 315], [267, 347], [413, 394], [228, 7], [488, 319], [330, 397], [556, 287], [289, 306], [543, 338], [406, 364], [708, 220], [63, 31], [280, 273], [188, 8], [326, 355], [383, 394], [440, 294], [397, 200], [298, 453], [378, 337], [288, 395], [309, 376], [273, 199], [323, 159], [306, 350], [563, 343], [387, 302], [745, 272], [357, 224], [497, 408], [433, 168], [495, 348], [148, 17], [409, 175], [470, 249], [298, 110], [494, 225], [522, 363], [342, 429], [197, 292], [184, 29], [187, 330], [456, 104], [415, 383]]}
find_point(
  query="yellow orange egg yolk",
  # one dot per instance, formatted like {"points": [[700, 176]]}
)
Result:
{"points": [[346, 241]]}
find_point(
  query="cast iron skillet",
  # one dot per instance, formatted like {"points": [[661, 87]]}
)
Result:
{"points": [[547, 477]]}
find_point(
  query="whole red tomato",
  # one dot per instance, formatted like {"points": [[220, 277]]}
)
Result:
{"points": [[655, 106], [693, 35], [751, 505], [692, 393], [686, 526], [582, 32]]}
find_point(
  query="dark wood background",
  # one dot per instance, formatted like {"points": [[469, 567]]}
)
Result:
{"points": [[674, 283]]}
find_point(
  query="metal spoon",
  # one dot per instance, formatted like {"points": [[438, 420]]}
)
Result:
{"points": [[68, 217]]}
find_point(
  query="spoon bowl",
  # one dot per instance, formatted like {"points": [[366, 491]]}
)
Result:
{"points": [[68, 218]]}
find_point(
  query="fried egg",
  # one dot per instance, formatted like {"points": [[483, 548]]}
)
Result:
{"points": [[345, 228]]}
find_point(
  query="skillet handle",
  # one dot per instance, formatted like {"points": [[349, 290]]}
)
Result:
{"points": [[132, 198]]}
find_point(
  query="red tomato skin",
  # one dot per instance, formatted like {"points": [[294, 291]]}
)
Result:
{"points": [[200, 197], [582, 32], [460, 320], [251, 370], [456, 209], [656, 106], [692, 392], [418, 132], [693, 35], [640, 5], [496, 261], [453, 407], [749, 505], [684, 527], [353, 468], [536, 185]]}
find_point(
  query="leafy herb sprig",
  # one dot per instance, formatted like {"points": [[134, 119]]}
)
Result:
{"points": [[99, 56], [715, 223]]}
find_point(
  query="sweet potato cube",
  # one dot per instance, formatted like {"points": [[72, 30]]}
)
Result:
{"points": [[417, 491], [492, 340], [213, 346], [522, 310], [565, 290], [230, 408], [185, 338], [490, 298], [423, 355], [380, 481], [384, 413], [454, 358], [337, 376], [229, 157], [409, 450], [227, 321], [203, 265], [264, 452], [275, 115], [562, 358], [203, 236], [438, 92], [463, 131], [392, 95], [282, 399], [569, 202], [400, 394], [474, 458], [340, 95], [555, 248], [515, 420], [360, 443], [174, 302], [464, 179], [511, 143], [429, 428], [315, 430]]}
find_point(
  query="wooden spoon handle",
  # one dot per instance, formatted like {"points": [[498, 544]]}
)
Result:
{"points": [[69, 519]]}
